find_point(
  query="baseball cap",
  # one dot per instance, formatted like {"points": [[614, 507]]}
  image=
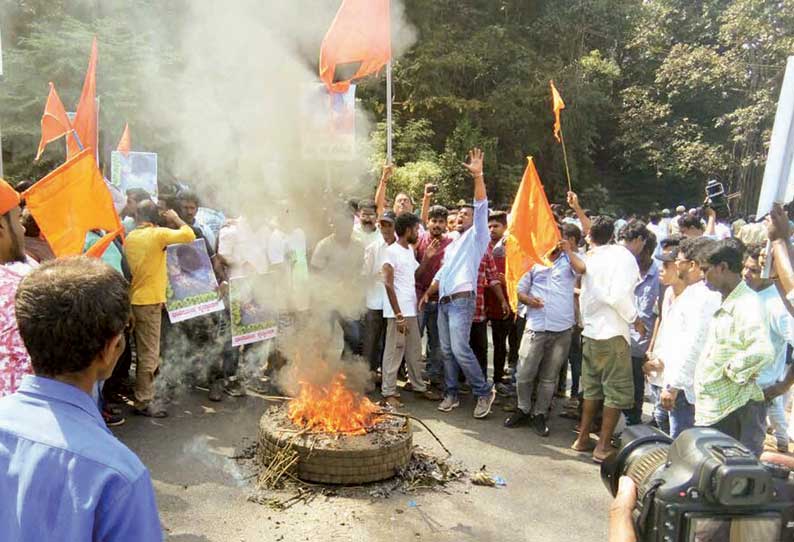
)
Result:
{"points": [[680, 209], [667, 256], [388, 216]]}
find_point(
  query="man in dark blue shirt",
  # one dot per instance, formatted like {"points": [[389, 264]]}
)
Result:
{"points": [[63, 475]]}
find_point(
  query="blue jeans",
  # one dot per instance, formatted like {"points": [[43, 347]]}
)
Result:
{"points": [[454, 326], [682, 417], [429, 322], [660, 415]]}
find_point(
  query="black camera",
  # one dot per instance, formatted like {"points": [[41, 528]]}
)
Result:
{"points": [[717, 199], [702, 487]]}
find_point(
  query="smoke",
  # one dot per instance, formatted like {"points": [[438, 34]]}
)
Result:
{"points": [[199, 449], [236, 113]]}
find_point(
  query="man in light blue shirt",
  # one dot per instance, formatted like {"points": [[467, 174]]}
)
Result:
{"points": [[547, 295], [63, 475], [781, 333], [456, 284]]}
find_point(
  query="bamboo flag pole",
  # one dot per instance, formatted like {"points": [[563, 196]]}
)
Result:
{"points": [[565, 159]]}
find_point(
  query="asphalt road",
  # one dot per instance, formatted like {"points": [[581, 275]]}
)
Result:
{"points": [[552, 493]]}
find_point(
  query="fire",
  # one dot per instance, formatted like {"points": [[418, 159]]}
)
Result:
{"points": [[333, 409]]}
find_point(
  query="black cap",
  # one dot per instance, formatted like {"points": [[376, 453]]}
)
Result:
{"points": [[668, 256], [388, 216]]}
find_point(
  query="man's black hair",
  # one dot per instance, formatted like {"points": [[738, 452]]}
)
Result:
{"points": [[694, 249], [67, 310], [635, 230], [148, 212], [438, 211], [690, 221], [498, 216], [404, 222], [571, 230], [367, 204], [729, 251], [602, 228], [650, 245], [754, 250], [138, 195], [188, 195]]}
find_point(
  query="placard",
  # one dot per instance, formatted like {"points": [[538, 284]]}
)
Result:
{"points": [[192, 288]]}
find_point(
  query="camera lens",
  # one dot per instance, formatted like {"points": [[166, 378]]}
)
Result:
{"points": [[643, 453]]}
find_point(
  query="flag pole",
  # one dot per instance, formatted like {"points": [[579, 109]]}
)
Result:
{"points": [[388, 114], [565, 159]]}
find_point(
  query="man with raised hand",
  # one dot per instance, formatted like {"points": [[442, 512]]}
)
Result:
{"points": [[456, 284]]}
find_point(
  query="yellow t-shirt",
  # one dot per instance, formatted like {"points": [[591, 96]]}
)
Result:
{"points": [[145, 250]]}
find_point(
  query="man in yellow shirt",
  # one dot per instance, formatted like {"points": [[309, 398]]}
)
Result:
{"points": [[146, 254]]}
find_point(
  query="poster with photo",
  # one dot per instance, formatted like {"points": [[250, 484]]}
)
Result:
{"points": [[192, 288], [252, 321], [328, 123], [134, 170]]}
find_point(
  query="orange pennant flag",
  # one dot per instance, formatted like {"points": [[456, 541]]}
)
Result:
{"points": [[98, 249], [54, 123], [71, 201], [85, 120], [556, 106], [532, 232], [125, 143], [360, 33]]}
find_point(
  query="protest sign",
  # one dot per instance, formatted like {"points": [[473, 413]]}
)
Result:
{"points": [[328, 123], [192, 289], [135, 170], [252, 321]]}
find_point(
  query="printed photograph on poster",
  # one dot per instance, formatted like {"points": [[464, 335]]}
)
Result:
{"points": [[135, 170], [192, 288], [328, 123], [252, 321]]}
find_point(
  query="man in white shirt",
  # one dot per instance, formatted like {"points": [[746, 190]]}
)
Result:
{"points": [[680, 341], [402, 328], [609, 275], [366, 230], [374, 323]]}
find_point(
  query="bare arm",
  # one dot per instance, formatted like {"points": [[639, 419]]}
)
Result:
{"points": [[380, 193], [573, 202], [475, 167], [711, 223], [777, 227], [433, 290], [426, 205], [577, 263], [388, 282]]}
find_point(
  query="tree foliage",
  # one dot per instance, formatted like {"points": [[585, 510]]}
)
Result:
{"points": [[661, 95]]}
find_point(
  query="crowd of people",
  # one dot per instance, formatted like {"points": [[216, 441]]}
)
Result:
{"points": [[677, 307]]}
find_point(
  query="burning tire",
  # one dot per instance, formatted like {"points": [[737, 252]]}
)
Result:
{"points": [[339, 459]]}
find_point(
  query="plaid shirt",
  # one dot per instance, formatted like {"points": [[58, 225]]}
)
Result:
{"points": [[737, 349], [487, 275]]}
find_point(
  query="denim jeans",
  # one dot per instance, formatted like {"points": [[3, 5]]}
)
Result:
{"points": [[682, 417], [454, 325], [634, 414], [776, 415], [660, 415], [542, 353], [435, 363]]}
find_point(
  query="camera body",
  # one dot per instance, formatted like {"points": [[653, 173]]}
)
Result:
{"points": [[701, 487], [717, 199]]}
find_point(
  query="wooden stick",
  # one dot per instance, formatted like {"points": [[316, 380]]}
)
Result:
{"points": [[401, 415], [565, 159]]}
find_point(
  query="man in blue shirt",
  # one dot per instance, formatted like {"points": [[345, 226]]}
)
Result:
{"points": [[456, 284], [63, 475], [547, 295]]}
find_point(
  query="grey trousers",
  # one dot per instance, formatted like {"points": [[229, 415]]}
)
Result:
{"points": [[541, 355], [408, 344], [747, 425]]}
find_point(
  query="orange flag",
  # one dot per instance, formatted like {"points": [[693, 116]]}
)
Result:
{"points": [[125, 143], [54, 123], [361, 32], [532, 231], [85, 120], [556, 106], [71, 201]]}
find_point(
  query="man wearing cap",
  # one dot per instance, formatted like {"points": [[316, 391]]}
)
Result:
{"points": [[146, 254], [14, 359], [374, 323], [456, 285], [674, 227]]}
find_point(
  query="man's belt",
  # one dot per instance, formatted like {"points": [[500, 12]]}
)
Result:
{"points": [[447, 298]]}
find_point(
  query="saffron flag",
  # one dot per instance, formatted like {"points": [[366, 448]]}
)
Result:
{"points": [[71, 201], [532, 231], [125, 143], [86, 120], [361, 32], [54, 123], [557, 105]]}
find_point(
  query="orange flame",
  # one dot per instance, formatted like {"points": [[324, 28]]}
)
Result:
{"points": [[333, 409]]}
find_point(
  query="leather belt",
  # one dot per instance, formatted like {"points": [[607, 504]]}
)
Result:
{"points": [[447, 298]]}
